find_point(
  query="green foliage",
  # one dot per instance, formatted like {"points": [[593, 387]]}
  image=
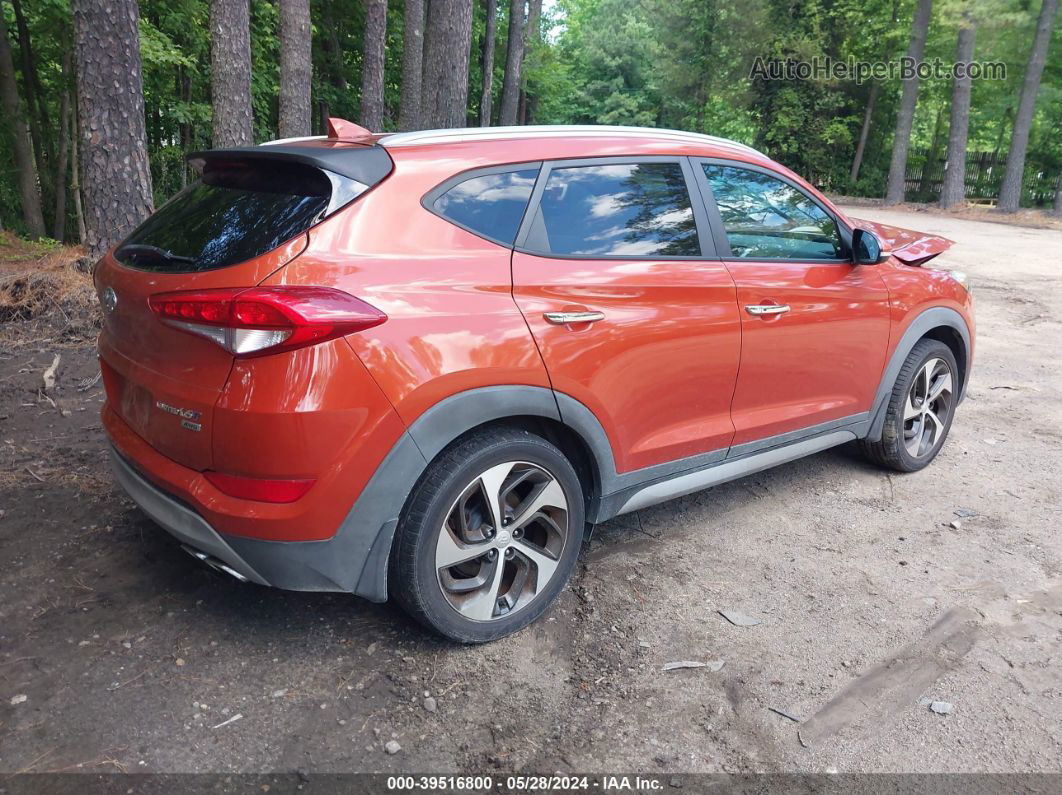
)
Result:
{"points": [[672, 63]]}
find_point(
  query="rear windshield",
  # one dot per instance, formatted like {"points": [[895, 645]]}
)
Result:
{"points": [[235, 212]]}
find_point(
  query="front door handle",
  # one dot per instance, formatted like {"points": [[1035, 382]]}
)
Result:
{"points": [[567, 318], [767, 309]]}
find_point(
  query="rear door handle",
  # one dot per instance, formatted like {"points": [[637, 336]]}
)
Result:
{"points": [[767, 309], [566, 318]]}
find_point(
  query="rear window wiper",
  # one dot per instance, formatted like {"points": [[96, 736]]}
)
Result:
{"points": [[136, 250]]}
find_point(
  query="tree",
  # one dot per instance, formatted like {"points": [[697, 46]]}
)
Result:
{"points": [[37, 111], [114, 160], [447, 43], [59, 221], [908, 101], [872, 100], [514, 61], [230, 72], [533, 39], [1010, 190], [412, 65], [372, 65], [953, 191], [29, 192], [296, 69], [75, 177], [487, 95]]}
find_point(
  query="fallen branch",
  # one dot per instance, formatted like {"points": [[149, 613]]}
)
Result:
{"points": [[49, 374]]}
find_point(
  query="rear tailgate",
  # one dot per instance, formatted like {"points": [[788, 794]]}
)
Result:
{"points": [[246, 217], [161, 381]]}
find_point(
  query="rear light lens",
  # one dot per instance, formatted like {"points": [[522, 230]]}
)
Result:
{"points": [[265, 320], [259, 489]]}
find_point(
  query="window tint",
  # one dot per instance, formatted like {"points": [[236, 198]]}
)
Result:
{"points": [[617, 209], [237, 211], [491, 205], [766, 218]]}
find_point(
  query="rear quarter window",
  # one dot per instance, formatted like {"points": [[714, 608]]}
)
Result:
{"points": [[490, 205]]}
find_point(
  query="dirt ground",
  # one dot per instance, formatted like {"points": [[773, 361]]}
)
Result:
{"points": [[875, 593]]}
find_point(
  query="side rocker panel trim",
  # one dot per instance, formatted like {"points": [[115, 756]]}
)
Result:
{"points": [[582, 420], [731, 470]]}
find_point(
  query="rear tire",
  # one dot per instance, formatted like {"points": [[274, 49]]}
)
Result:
{"points": [[920, 409], [489, 536]]}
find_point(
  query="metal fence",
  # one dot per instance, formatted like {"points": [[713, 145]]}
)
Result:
{"points": [[984, 174]]}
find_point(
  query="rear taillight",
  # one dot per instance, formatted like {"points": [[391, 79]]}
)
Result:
{"points": [[263, 320], [260, 489]]}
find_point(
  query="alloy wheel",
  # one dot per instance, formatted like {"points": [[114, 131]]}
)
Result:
{"points": [[502, 540], [929, 404]]}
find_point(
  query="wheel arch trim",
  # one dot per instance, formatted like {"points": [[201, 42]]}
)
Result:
{"points": [[925, 322]]}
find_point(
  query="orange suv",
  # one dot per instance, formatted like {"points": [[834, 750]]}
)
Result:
{"points": [[420, 364]]}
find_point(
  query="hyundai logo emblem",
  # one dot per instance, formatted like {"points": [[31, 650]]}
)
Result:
{"points": [[108, 299]]}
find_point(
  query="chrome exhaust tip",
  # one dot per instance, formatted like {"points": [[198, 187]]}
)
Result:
{"points": [[214, 563]]}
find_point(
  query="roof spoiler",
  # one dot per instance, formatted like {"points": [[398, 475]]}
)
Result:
{"points": [[367, 164], [346, 130]]}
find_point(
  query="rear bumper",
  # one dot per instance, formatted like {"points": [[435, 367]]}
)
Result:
{"points": [[178, 520], [353, 560]]}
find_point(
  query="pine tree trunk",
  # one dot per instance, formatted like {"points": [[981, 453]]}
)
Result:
{"points": [[372, 65], [296, 69], [27, 170], [514, 61], [59, 223], [184, 91], [116, 177], [412, 65], [330, 47], [1010, 190], [864, 132], [447, 41], [932, 156], [534, 39], [230, 70], [75, 177], [37, 110], [953, 191], [323, 112], [1058, 197], [486, 97], [908, 102]]}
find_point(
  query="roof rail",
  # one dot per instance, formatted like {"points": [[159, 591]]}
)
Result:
{"points": [[460, 134]]}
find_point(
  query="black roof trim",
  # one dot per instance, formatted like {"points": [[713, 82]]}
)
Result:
{"points": [[366, 164]]}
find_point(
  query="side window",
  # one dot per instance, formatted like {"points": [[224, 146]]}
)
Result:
{"points": [[766, 218], [491, 205], [616, 209]]}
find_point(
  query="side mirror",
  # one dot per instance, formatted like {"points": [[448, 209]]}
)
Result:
{"points": [[866, 248]]}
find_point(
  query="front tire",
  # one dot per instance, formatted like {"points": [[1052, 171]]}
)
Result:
{"points": [[920, 409], [489, 536]]}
